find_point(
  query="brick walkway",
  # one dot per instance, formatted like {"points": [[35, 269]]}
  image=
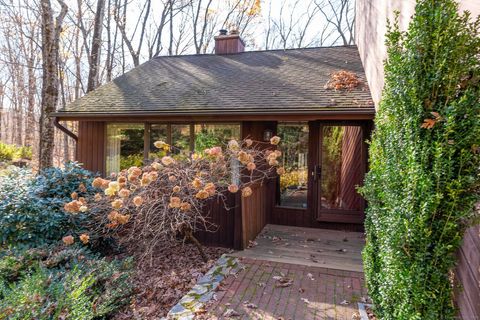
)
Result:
{"points": [[316, 293]]}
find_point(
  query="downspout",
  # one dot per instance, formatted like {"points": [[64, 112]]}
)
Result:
{"points": [[65, 130], [68, 133]]}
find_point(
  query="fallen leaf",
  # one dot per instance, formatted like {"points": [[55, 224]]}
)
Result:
{"points": [[231, 313], [250, 305], [282, 281], [252, 244]]}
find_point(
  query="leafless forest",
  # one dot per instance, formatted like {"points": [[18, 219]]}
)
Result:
{"points": [[54, 51]]}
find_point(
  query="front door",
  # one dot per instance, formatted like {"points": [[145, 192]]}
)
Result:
{"points": [[338, 168]]}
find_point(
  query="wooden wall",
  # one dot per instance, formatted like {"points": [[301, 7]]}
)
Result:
{"points": [[254, 213], [468, 275], [91, 145], [224, 218], [370, 29]]}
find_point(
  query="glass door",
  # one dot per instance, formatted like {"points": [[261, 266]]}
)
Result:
{"points": [[339, 170]]}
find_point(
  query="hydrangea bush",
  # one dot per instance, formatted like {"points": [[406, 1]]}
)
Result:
{"points": [[424, 163], [152, 205], [31, 207]]}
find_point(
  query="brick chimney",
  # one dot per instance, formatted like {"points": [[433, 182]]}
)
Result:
{"points": [[229, 43]]}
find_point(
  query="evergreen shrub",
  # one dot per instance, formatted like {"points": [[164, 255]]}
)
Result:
{"points": [[424, 163]]}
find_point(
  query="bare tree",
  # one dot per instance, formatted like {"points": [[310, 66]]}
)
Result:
{"points": [[341, 15], [94, 58], [50, 43]]}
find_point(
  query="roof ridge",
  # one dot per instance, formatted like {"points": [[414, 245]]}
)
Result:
{"points": [[253, 52]]}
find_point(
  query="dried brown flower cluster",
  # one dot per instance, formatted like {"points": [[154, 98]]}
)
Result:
{"points": [[152, 205]]}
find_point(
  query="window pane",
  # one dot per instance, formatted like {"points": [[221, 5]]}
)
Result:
{"points": [[124, 146], [181, 139], [342, 167], [210, 135], [294, 147], [158, 132]]}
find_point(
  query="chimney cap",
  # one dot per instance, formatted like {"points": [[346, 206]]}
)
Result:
{"points": [[223, 32], [234, 32]]}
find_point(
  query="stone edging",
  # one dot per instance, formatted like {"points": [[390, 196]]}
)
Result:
{"points": [[362, 310], [204, 290]]}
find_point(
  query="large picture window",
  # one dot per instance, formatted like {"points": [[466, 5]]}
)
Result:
{"points": [[126, 144], [294, 146]]}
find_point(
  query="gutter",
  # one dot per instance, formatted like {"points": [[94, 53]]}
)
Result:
{"points": [[243, 112], [65, 130]]}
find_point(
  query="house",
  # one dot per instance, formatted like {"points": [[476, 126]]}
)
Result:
{"points": [[190, 100]]}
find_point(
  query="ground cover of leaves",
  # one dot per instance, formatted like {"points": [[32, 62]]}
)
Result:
{"points": [[161, 282]]}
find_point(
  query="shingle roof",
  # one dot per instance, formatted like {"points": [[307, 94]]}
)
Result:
{"points": [[276, 81]]}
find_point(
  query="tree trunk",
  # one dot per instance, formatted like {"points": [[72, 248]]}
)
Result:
{"points": [[96, 45], [50, 38], [189, 235]]}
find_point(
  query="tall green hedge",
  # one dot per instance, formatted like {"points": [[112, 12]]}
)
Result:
{"points": [[424, 162]]}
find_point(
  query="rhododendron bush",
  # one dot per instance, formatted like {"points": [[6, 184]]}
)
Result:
{"points": [[161, 202]]}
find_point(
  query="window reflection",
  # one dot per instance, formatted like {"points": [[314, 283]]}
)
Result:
{"points": [[294, 147], [158, 132], [342, 167], [181, 139], [210, 135], [125, 143]]}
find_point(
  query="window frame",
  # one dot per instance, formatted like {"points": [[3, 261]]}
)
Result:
{"points": [[277, 204], [147, 125]]}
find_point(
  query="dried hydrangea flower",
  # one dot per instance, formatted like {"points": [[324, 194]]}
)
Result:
{"points": [[117, 204], [138, 201], [247, 192], [175, 202], [85, 238], [197, 183], [251, 166], [185, 206], [68, 240], [166, 161], [210, 188], [233, 188], [233, 145], [275, 140], [202, 194], [124, 193]]}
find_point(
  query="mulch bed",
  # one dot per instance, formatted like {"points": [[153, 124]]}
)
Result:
{"points": [[161, 282]]}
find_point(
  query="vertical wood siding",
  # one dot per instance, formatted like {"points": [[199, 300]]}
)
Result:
{"points": [[224, 220], [468, 275], [91, 145], [254, 213]]}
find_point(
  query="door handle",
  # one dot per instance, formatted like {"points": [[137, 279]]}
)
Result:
{"points": [[317, 172]]}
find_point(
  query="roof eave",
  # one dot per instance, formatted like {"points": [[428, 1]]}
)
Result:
{"points": [[219, 113]]}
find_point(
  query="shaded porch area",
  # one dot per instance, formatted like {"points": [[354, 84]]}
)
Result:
{"points": [[331, 249]]}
